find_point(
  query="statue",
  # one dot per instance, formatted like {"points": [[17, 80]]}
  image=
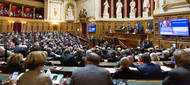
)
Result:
{"points": [[106, 6], [146, 7], [133, 9], [69, 15], [119, 6], [157, 4], [82, 13]]}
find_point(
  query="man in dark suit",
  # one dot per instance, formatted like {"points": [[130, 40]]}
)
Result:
{"points": [[180, 75], [67, 59], [91, 74], [112, 56], [149, 70]]}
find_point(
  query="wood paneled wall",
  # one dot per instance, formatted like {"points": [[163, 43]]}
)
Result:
{"points": [[38, 26]]}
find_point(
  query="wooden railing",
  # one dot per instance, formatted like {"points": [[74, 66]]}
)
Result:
{"points": [[126, 40]]}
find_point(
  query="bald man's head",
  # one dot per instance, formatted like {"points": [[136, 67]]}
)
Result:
{"points": [[93, 58], [182, 58]]}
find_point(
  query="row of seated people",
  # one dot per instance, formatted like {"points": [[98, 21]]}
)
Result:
{"points": [[52, 42], [15, 63], [4, 11], [45, 42], [59, 46], [93, 75]]}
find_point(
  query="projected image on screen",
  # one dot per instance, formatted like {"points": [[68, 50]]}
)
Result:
{"points": [[92, 28], [166, 28], [178, 27]]}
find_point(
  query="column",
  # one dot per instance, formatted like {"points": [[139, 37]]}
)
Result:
{"points": [[125, 8], [10, 5], [34, 13], [22, 27], [151, 7], [22, 11], [139, 8], [100, 9], [45, 9], [112, 8]]}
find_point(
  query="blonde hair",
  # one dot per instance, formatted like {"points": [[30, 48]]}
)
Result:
{"points": [[124, 63], [154, 57], [35, 59], [15, 59]]}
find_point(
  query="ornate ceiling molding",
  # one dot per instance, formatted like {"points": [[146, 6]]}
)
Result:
{"points": [[167, 5]]}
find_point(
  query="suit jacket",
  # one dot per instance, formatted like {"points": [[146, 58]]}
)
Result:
{"points": [[91, 75], [162, 58], [178, 76], [112, 59], [68, 60], [13, 68], [34, 77], [150, 71], [126, 74]]}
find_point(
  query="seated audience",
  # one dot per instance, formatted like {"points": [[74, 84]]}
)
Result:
{"points": [[139, 62], [14, 64], [91, 74], [131, 61], [123, 54], [68, 59], [149, 70], [4, 53], [165, 56], [79, 57], [180, 75], [124, 72], [147, 44], [154, 57], [112, 56], [104, 53], [34, 62]]}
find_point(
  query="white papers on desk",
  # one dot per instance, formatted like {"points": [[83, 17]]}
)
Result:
{"points": [[58, 68], [19, 76], [111, 70], [133, 68], [164, 68], [57, 79], [48, 73]]}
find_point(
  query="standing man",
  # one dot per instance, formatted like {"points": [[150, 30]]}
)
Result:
{"points": [[91, 74]]}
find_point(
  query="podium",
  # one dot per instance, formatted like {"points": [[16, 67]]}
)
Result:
{"points": [[129, 40]]}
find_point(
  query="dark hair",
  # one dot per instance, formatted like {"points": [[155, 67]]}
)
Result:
{"points": [[93, 58], [146, 58]]}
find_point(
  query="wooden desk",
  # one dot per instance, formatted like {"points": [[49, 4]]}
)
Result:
{"points": [[55, 62], [4, 76], [144, 82], [107, 64], [67, 70], [102, 64], [129, 40], [137, 82], [112, 64]]}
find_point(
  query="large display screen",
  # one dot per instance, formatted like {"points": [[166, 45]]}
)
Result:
{"points": [[177, 27], [92, 28]]}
